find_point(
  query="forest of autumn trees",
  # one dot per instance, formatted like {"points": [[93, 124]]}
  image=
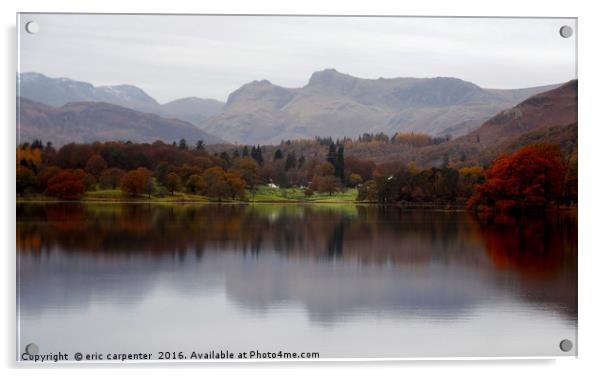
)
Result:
{"points": [[161, 169], [534, 177]]}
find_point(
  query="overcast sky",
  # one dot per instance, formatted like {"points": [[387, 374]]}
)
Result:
{"points": [[210, 56]]}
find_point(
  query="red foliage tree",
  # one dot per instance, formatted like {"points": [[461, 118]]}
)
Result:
{"points": [[530, 178], [95, 165], [67, 184], [74, 155], [45, 175], [110, 178]]}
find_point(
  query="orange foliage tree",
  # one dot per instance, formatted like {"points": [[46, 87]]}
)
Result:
{"points": [[530, 178], [414, 139], [217, 185], [236, 185], [135, 181], [30, 158], [221, 184], [173, 182], [248, 169]]}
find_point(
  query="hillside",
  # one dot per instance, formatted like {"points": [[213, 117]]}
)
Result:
{"points": [[86, 122], [193, 109], [550, 116], [557, 107], [338, 105]]}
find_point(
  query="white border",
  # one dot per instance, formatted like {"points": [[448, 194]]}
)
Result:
{"points": [[590, 136]]}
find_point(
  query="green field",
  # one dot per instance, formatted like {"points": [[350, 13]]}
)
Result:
{"points": [[117, 195], [263, 194], [268, 194]]}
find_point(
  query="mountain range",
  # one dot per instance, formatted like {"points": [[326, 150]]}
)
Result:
{"points": [[57, 92], [331, 104], [335, 104]]}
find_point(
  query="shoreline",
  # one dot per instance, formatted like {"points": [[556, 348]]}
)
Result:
{"points": [[405, 206], [156, 201]]}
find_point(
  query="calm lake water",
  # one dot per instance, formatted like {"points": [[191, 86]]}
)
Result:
{"points": [[341, 280]]}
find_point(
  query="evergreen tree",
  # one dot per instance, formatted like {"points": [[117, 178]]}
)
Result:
{"points": [[37, 144], [278, 155], [332, 155], [339, 167], [225, 156], [291, 161], [200, 146], [259, 155], [183, 144]]}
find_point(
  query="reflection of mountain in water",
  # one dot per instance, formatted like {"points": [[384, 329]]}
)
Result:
{"points": [[335, 262]]}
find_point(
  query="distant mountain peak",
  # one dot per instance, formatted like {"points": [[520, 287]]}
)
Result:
{"points": [[264, 91], [127, 93], [255, 84], [330, 77]]}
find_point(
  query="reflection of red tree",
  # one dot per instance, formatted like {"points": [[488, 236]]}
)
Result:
{"points": [[68, 217], [533, 246], [28, 240], [134, 220]]}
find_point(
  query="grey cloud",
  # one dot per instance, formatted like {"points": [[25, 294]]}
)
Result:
{"points": [[210, 56]]}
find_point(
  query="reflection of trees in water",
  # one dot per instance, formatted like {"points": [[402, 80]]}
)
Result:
{"points": [[366, 233], [534, 246], [541, 248], [335, 243]]}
